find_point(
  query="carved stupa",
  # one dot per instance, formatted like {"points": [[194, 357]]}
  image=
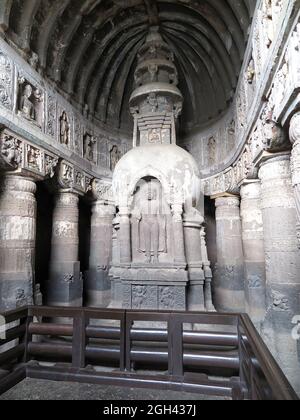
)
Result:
{"points": [[158, 254]]}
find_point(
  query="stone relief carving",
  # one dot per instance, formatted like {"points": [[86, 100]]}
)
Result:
{"points": [[149, 221], [115, 156], [64, 129], [51, 116], [280, 302], [89, 146], [34, 158], [11, 150], [274, 138], [78, 136], [212, 149], [102, 190], [31, 102], [70, 177], [5, 81], [139, 295], [20, 154]]}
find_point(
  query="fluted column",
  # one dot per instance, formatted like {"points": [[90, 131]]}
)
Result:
{"points": [[97, 285], [229, 276], [64, 287], [17, 241], [254, 253], [295, 165], [192, 226], [282, 263], [209, 306]]}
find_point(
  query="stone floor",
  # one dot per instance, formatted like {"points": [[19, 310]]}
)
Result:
{"points": [[31, 389]]}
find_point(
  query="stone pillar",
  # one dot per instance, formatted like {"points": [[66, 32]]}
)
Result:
{"points": [[125, 236], [116, 283], [192, 226], [97, 285], [17, 241], [64, 286], [178, 235], [229, 276], [295, 165], [209, 306], [254, 252], [282, 263]]}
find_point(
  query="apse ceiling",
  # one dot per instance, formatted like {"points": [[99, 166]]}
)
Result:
{"points": [[89, 49]]}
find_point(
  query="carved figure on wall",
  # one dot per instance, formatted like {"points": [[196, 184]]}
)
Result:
{"points": [[152, 226], [115, 156], [26, 104], [34, 158], [274, 137], [89, 145], [251, 72], [139, 296], [212, 150], [64, 129], [11, 149]]}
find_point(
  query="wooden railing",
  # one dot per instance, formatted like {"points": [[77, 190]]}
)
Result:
{"points": [[192, 347]]}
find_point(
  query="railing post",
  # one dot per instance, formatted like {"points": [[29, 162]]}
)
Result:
{"points": [[175, 346], [79, 341], [123, 348], [128, 323], [242, 356]]}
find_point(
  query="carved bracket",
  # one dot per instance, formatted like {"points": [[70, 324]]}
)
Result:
{"points": [[17, 154]]}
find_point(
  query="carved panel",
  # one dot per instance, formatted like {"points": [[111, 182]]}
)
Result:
{"points": [[51, 116], [6, 81]]}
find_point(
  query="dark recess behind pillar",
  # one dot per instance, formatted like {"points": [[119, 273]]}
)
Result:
{"points": [[210, 220], [45, 206], [84, 234]]}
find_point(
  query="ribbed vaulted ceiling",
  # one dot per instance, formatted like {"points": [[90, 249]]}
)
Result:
{"points": [[89, 48]]}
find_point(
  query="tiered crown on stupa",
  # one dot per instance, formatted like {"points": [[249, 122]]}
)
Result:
{"points": [[156, 101]]}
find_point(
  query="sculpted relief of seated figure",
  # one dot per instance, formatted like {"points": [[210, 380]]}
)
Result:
{"points": [[26, 105], [151, 233]]}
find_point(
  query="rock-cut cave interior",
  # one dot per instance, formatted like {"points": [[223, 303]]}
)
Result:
{"points": [[150, 163]]}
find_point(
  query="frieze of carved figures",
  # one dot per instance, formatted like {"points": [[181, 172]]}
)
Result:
{"points": [[230, 179], [17, 153], [11, 150], [5, 81], [31, 102], [102, 190], [51, 163], [71, 177], [34, 158]]}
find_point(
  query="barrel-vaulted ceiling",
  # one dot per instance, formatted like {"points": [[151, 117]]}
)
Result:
{"points": [[89, 49]]}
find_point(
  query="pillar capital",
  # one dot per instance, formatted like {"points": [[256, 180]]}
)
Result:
{"points": [[102, 190], [18, 183], [275, 167], [227, 200], [251, 189]]}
